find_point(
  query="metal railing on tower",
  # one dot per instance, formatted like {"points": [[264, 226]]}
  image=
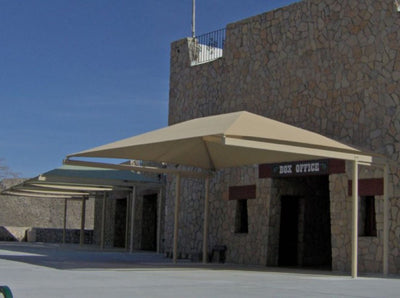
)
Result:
{"points": [[207, 47]]}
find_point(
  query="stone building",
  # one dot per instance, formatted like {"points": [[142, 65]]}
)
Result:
{"points": [[328, 66]]}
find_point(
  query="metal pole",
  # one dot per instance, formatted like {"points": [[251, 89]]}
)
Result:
{"points": [[354, 242], [386, 220], [159, 220], [82, 234], [103, 220], [127, 208], [194, 18], [205, 231], [176, 219], [133, 202], [65, 220]]}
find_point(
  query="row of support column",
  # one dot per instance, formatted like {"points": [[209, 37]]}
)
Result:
{"points": [[176, 219], [159, 211], [205, 229], [103, 221], [130, 231], [386, 220], [354, 254], [132, 222], [354, 249], [354, 237], [83, 217], [133, 203], [127, 224], [65, 219]]}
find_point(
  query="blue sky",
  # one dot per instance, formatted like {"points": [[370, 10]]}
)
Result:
{"points": [[75, 74]]}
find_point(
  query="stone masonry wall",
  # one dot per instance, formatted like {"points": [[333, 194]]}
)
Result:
{"points": [[41, 212], [110, 217], [249, 248], [370, 248], [328, 66]]}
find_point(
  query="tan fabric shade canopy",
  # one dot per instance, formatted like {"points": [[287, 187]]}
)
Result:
{"points": [[227, 140], [234, 140], [77, 181]]}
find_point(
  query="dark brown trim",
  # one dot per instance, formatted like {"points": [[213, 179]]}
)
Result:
{"points": [[336, 166], [265, 171], [302, 168], [367, 187], [242, 192]]}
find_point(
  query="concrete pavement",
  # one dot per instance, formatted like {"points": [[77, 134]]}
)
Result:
{"points": [[50, 270]]}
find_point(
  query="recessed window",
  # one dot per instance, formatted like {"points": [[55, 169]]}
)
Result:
{"points": [[241, 219], [367, 216], [241, 194]]}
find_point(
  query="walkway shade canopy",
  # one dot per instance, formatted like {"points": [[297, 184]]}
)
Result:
{"points": [[77, 181], [227, 140], [99, 176]]}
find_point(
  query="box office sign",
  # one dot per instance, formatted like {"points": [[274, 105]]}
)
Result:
{"points": [[302, 168]]}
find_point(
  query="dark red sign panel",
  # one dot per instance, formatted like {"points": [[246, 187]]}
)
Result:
{"points": [[367, 187], [242, 192], [302, 168]]}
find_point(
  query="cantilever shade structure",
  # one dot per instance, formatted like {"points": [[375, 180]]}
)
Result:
{"points": [[228, 140], [94, 179], [77, 182], [232, 140]]}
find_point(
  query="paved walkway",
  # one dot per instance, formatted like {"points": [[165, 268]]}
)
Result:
{"points": [[50, 270]]}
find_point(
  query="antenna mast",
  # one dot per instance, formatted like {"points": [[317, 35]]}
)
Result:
{"points": [[193, 18]]}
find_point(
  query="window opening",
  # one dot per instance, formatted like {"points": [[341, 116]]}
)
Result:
{"points": [[241, 220], [367, 216]]}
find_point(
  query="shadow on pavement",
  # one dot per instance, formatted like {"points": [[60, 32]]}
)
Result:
{"points": [[90, 257], [75, 257]]}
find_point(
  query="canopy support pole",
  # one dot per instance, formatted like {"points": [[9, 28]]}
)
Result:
{"points": [[82, 233], [386, 220], [354, 242], [103, 220], [65, 220], [133, 202], [128, 205], [176, 219], [159, 220], [205, 225]]}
